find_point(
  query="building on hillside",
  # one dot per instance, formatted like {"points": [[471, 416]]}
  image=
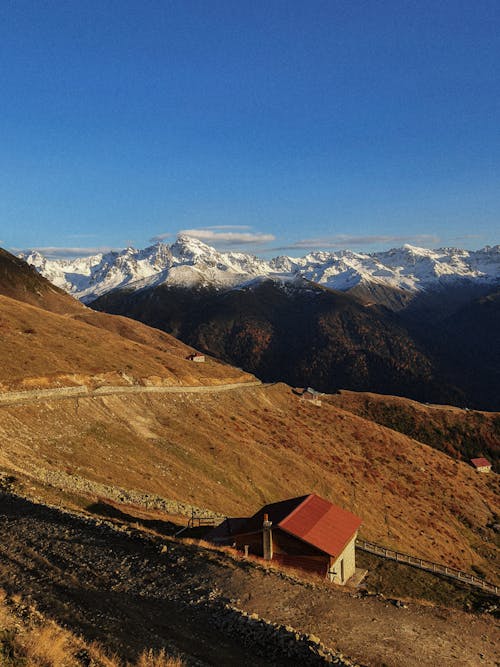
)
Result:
{"points": [[312, 396], [307, 532], [481, 464], [196, 356]]}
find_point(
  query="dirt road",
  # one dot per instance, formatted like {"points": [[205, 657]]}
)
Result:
{"points": [[34, 395]]}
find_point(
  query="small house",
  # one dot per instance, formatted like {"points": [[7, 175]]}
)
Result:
{"points": [[481, 464], [197, 357], [307, 533], [312, 396]]}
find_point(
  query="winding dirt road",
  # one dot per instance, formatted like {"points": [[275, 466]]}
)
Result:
{"points": [[59, 393]]}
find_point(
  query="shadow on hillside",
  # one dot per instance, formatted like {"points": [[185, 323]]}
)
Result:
{"points": [[122, 592], [109, 511]]}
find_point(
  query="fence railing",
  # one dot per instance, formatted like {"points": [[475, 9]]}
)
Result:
{"points": [[427, 565]]}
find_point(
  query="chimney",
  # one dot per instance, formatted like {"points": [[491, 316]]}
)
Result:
{"points": [[267, 538]]}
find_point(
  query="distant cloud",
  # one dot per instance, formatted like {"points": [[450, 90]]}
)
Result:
{"points": [[162, 237], [347, 240], [57, 252], [229, 238], [212, 234]]}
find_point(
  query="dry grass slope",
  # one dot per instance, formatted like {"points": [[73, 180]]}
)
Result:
{"points": [[44, 349], [50, 339], [235, 451], [462, 434]]}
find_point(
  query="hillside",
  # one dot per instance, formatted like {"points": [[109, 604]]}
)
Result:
{"points": [[21, 281], [462, 434], [228, 451], [139, 594], [50, 339], [467, 341], [231, 452]]}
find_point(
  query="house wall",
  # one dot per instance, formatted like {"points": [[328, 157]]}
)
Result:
{"points": [[345, 564], [287, 550]]}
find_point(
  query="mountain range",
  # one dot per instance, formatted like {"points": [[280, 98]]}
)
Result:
{"points": [[410, 321], [131, 462], [191, 263]]}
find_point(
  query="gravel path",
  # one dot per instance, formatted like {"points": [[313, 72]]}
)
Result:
{"points": [[23, 397]]}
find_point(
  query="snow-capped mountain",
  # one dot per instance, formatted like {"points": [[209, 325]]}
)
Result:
{"points": [[190, 263]]}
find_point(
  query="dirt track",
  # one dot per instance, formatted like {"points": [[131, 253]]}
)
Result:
{"points": [[35, 395]]}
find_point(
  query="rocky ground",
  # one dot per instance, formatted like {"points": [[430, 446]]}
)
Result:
{"points": [[133, 591]]}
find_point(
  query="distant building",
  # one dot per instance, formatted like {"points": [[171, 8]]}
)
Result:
{"points": [[196, 356], [311, 395], [308, 533], [481, 464]]}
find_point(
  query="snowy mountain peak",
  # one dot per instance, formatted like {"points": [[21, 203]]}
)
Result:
{"points": [[190, 262]]}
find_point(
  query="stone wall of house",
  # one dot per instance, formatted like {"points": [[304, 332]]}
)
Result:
{"points": [[348, 556]]}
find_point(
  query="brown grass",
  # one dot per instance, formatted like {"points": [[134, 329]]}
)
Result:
{"points": [[462, 434], [73, 349], [410, 497], [160, 659], [47, 646]]}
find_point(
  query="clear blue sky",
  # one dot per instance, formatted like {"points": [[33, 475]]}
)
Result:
{"points": [[262, 125]]}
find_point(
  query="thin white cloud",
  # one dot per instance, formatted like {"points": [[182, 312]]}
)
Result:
{"points": [[229, 238], [347, 240], [56, 252], [197, 233]]}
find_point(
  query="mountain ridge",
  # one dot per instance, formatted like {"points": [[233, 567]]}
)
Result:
{"points": [[189, 262]]}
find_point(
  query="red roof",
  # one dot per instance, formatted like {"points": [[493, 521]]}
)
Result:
{"points": [[311, 519], [322, 524], [480, 463]]}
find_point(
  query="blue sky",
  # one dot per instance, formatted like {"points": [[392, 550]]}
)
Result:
{"points": [[256, 125]]}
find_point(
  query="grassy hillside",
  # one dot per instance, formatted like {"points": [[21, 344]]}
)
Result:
{"points": [[235, 451], [50, 339], [462, 434]]}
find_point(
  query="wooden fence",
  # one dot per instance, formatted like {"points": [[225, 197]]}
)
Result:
{"points": [[427, 565]]}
